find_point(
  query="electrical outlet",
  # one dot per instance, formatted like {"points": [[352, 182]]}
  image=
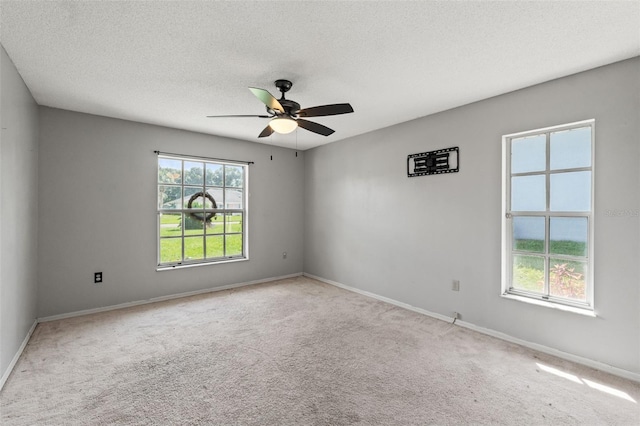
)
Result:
{"points": [[456, 315], [455, 285], [97, 277], [284, 254]]}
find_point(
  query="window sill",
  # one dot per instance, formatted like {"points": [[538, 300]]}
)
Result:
{"points": [[192, 265], [581, 311]]}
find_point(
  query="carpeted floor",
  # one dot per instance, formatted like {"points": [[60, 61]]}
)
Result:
{"points": [[296, 352]]}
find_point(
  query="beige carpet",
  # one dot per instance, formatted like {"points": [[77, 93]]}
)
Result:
{"points": [[296, 352]]}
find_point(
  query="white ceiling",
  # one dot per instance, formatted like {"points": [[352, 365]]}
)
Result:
{"points": [[173, 63]]}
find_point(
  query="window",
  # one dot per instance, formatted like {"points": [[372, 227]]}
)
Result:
{"points": [[202, 208], [548, 221]]}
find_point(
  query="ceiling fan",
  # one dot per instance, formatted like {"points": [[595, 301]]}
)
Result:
{"points": [[285, 114]]}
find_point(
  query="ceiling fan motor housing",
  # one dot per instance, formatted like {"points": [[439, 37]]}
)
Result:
{"points": [[290, 108]]}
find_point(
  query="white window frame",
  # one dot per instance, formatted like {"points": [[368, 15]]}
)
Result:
{"points": [[548, 300], [223, 211]]}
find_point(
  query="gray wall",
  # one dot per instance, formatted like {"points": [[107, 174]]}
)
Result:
{"points": [[370, 227], [97, 212], [18, 210]]}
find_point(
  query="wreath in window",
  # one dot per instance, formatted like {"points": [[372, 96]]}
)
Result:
{"points": [[202, 216]]}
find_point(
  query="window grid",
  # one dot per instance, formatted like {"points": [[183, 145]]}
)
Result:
{"points": [[548, 215], [187, 227]]}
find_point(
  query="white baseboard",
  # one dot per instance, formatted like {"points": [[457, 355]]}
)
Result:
{"points": [[535, 346], [16, 357], [162, 298]]}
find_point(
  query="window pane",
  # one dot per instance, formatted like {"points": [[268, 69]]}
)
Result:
{"points": [[233, 245], [529, 154], [169, 197], [528, 273], [216, 194], [567, 279], [215, 246], [233, 176], [170, 250], [233, 223], [193, 198], [216, 225], [568, 236], [528, 234], [170, 225], [193, 248], [571, 148], [233, 199], [528, 193], [169, 171], [193, 173], [571, 191], [210, 201], [193, 224], [213, 175]]}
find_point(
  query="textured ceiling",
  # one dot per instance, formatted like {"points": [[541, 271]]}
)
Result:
{"points": [[173, 63]]}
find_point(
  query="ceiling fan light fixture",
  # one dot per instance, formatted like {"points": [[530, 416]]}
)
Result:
{"points": [[283, 125]]}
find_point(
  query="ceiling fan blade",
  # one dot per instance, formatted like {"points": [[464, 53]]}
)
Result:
{"points": [[267, 98], [319, 111], [266, 132], [315, 127], [225, 116]]}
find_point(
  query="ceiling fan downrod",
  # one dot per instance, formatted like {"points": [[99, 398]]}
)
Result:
{"points": [[283, 86]]}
